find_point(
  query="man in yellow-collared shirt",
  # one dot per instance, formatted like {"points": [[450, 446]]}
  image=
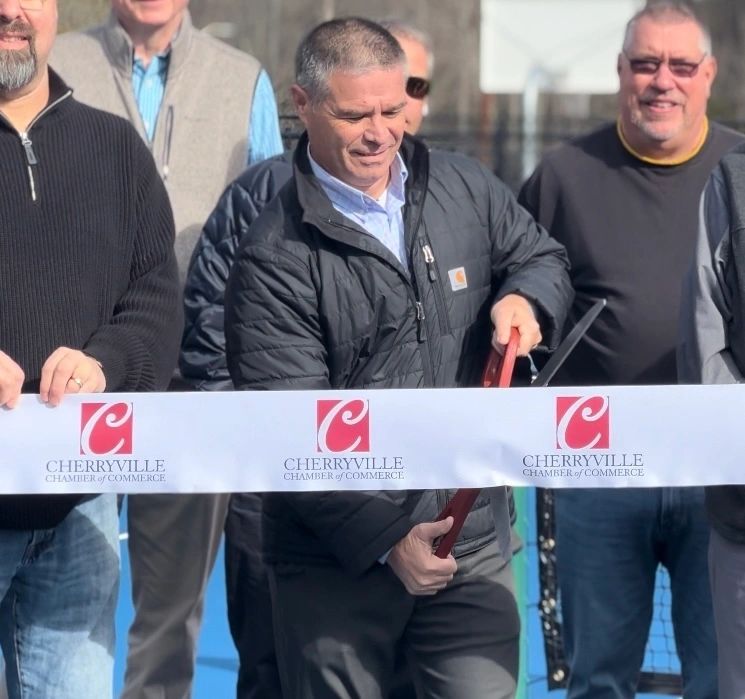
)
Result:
{"points": [[624, 201]]}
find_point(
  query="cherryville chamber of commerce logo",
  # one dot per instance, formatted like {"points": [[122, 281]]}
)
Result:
{"points": [[106, 435], [106, 428], [582, 441], [582, 422], [343, 426], [343, 447]]}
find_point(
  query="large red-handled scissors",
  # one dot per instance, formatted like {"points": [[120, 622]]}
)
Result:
{"points": [[498, 373]]}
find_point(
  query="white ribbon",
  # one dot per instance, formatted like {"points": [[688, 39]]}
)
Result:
{"points": [[375, 440]]}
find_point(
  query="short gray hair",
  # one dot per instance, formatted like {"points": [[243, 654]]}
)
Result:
{"points": [[347, 44], [406, 30], [668, 12]]}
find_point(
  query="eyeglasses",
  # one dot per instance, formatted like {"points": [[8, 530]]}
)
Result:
{"points": [[418, 88], [650, 66], [33, 5]]}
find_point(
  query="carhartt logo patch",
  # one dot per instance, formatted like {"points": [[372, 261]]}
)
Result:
{"points": [[458, 279]]}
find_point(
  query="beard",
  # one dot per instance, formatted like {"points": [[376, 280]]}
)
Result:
{"points": [[659, 128], [655, 130], [18, 67]]}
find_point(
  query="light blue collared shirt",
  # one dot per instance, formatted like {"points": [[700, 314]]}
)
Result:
{"points": [[382, 218], [264, 140], [149, 86]]}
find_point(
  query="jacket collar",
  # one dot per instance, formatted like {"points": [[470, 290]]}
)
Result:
{"points": [[57, 87], [317, 206], [120, 49], [59, 93], [318, 211]]}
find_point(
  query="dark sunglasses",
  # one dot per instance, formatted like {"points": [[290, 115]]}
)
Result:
{"points": [[418, 88], [650, 66]]}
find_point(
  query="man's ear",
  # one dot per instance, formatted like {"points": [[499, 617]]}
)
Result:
{"points": [[711, 69], [301, 101]]}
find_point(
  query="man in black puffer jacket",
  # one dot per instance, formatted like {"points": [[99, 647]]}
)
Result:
{"points": [[382, 265], [204, 366]]}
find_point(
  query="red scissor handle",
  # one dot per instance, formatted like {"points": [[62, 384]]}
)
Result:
{"points": [[498, 373], [498, 370]]}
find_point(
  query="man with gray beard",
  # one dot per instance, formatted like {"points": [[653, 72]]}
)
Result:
{"points": [[87, 237], [17, 67]]}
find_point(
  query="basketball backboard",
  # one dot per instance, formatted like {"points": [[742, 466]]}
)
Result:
{"points": [[572, 44]]}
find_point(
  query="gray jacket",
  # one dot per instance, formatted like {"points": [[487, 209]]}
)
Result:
{"points": [[712, 323], [711, 304]]}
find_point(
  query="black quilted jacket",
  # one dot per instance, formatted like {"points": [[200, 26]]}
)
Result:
{"points": [[315, 302], [202, 360]]}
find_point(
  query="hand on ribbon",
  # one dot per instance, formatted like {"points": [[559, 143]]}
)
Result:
{"points": [[11, 381], [414, 562], [69, 371]]}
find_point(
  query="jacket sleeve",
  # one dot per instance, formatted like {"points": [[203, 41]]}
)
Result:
{"points": [[527, 261], [202, 359], [706, 309], [358, 528], [272, 325], [275, 341], [138, 347]]}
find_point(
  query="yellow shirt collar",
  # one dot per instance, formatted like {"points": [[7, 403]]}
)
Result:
{"points": [[655, 161]]}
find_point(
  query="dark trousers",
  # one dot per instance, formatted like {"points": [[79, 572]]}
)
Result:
{"points": [[337, 636], [173, 543], [249, 606], [608, 546], [727, 569], [249, 602]]}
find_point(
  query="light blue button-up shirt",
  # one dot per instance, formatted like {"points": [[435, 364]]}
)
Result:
{"points": [[382, 217], [149, 86]]}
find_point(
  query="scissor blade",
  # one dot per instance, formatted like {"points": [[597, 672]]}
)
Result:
{"points": [[568, 344]]}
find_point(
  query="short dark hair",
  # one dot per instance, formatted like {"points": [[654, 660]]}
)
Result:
{"points": [[348, 44]]}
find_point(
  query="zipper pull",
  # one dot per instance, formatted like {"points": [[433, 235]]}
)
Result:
{"points": [[28, 147], [419, 321], [429, 260], [31, 160]]}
